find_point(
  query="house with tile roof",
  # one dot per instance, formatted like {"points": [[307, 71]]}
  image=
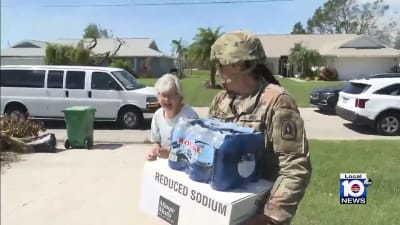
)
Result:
{"points": [[350, 54], [142, 53]]}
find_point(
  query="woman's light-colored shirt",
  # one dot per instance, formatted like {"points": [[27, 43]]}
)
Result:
{"points": [[161, 127]]}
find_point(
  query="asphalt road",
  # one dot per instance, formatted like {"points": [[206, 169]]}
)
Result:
{"points": [[318, 125]]}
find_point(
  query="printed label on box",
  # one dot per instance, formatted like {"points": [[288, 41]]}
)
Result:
{"points": [[168, 211], [173, 198]]}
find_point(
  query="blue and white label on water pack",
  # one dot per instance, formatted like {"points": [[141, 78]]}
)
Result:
{"points": [[247, 165], [197, 150], [222, 154]]}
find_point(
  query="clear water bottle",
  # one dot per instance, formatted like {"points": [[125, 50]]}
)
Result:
{"points": [[218, 139], [177, 158], [206, 141], [203, 156]]}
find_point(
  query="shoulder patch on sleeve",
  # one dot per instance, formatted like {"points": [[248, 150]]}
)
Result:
{"points": [[288, 130]]}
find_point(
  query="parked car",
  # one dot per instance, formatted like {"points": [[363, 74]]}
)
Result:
{"points": [[325, 98], [45, 91], [385, 75], [379, 75], [372, 101]]}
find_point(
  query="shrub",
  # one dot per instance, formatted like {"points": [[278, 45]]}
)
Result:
{"points": [[329, 74], [395, 69], [67, 55], [123, 64]]}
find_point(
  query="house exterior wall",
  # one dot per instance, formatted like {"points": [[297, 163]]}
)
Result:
{"points": [[353, 67], [163, 66], [22, 61], [152, 66]]}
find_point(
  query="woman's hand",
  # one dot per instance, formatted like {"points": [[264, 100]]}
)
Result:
{"points": [[163, 152], [151, 157], [157, 151], [152, 154]]}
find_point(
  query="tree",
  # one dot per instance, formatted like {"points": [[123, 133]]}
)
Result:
{"points": [[200, 49], [95, 31], [298, 29], [181, 52], [106, 57], [82, 54], [79, 55], [397, 41], [350, 17]]}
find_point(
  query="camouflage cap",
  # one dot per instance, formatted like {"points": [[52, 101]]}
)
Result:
{"points": [[237, 46]]}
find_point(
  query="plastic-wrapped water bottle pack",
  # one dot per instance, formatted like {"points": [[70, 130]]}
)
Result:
{"points": [[225, 155]]}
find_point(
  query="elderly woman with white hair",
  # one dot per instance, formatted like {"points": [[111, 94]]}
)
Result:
{"points": [[170, 95]]}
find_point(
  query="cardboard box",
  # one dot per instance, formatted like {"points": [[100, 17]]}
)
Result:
{"points": [[171, 196]]}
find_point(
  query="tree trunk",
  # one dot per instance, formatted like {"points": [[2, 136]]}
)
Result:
{"points": [[212, 76], [181, 68]]}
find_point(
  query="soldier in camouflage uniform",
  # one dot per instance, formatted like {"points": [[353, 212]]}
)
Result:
{"points": [[253, 98]]}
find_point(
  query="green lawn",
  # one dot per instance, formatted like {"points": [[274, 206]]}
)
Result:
{"points": [[196, 94], [379, 159]]}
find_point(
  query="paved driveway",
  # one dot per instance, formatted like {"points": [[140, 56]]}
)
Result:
{"points": [[332, 127], [75, 187], [318, 126]]}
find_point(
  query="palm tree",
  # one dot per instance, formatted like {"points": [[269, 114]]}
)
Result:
{"points": [[181, 52], [200, 49], [303, 59]]}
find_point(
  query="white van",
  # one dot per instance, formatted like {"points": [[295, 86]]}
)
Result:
{"points": [[45, 91]]}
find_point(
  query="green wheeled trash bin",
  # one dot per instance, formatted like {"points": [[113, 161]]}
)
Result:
{"points": [[79, 121]]}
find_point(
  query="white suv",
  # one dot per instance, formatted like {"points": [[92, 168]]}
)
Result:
{"points": [[372, 101]]}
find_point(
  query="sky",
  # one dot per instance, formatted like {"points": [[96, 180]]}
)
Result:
{"points": [[29, 20]]}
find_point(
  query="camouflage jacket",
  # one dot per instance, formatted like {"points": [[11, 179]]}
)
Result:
{"points": [[286, 160]]}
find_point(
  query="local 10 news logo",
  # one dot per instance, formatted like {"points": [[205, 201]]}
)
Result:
{"points": [[353, 188]]}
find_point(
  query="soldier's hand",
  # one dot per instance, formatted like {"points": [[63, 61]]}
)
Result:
{"points": [[259, 219]]}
